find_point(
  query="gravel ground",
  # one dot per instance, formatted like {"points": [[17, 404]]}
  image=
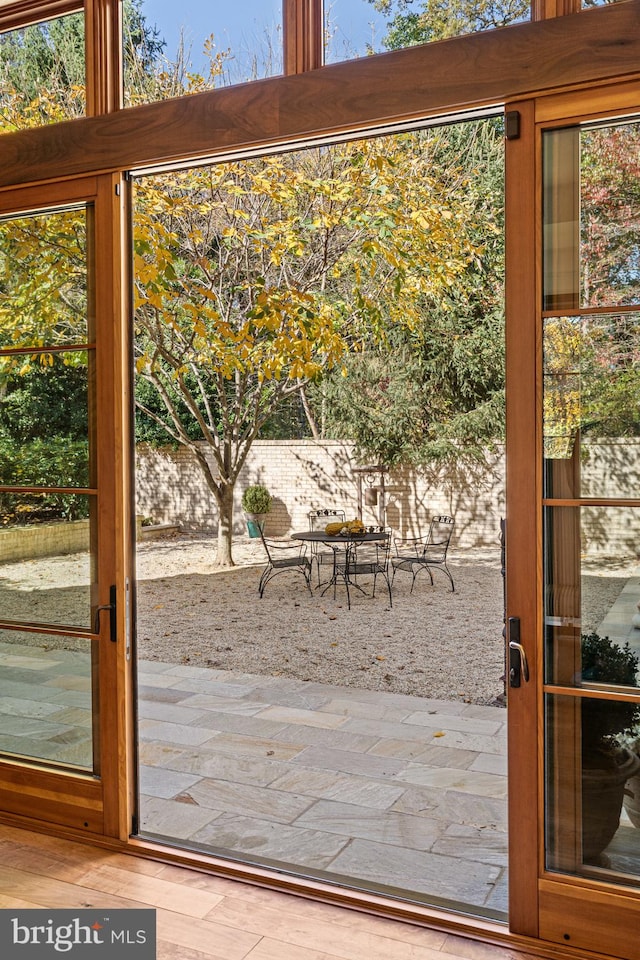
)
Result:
{"points": [[432, 643]]}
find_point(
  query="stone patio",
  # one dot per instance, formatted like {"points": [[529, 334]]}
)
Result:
{"points": [[384, 788]]}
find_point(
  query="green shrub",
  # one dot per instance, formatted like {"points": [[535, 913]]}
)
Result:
{"points": [[256, 499], [604, 661], [56, 462]]}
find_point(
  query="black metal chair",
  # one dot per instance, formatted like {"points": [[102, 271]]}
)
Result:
{"points": [[366, 559], [322, 552], [283, 555], [425, 553]]}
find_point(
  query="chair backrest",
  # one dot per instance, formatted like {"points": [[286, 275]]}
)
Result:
{"points": [[265, 544], [318, 519], [373, 552], [439, 538]]}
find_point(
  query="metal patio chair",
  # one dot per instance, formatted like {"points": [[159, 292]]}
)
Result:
{"points": [[283, 555], [366, 559], [428, 553], [322, 552]]}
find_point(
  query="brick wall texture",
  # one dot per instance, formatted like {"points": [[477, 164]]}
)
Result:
{"points": [[304, 475]]}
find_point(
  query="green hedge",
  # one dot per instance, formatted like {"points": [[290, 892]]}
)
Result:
{"points": [[58, 462]]}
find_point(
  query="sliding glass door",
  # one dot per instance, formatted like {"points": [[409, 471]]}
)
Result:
{"points": [[58, 589]]}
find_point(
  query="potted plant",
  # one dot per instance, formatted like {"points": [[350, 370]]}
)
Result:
{"points": [[256, 503], [607, 761]]}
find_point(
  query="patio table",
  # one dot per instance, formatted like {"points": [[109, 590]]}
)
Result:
{"points": [[340, 540]]}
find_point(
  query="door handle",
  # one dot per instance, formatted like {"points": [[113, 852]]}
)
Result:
{"points": [[518, 666], [111, 607]]}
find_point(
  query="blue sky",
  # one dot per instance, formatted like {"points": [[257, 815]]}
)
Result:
{"points": [[238, 22]]}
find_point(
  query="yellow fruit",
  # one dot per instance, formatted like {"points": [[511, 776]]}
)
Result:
{"points": [[333, 529]]}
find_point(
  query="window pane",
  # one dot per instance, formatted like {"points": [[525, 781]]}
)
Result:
{"points": [[43, 279], [591, 595], [610, 216], [591, 217], [47, 698], [47, 568], [42, 73], [592, 405], [173, 49], [44, 420], [592, 788], [354, 28]]}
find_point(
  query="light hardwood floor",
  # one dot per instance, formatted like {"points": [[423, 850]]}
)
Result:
{"points": [[201, 917]]}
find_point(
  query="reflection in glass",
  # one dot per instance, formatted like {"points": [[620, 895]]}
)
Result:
{"points": [[47, 556], [591, 217], [591, 405], [42, 73], [593, 787], [174, 49], [44, 423], [609, 215], [43, 282], [354, 28], [47, 698], [592, 591]]}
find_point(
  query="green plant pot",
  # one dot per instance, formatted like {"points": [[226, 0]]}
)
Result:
{"points": [[255, 526]]}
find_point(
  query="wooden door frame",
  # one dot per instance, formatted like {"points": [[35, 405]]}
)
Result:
{"points": [[522, 534], [93, 805], [545, 901]]}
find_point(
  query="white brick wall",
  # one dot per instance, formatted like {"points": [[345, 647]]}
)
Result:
{"points": [[306, 474]]}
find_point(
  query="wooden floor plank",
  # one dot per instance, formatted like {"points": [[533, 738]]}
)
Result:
{"points": [[269, 949], [152, 891], [213, 939], [202, 917], [347, 943]]}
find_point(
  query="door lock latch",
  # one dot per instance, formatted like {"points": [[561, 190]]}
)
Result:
{"points": [[111, 607], [518, 666]]}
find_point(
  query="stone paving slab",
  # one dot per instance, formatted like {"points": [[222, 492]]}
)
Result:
{"points": [[322, 737], [462, 881], [173, 732], [169, 818], [383, 826], [250, 745], [249, 726], [274, 841], [249, 800], [346, 761], [223, 766], [454, 807], [164, 694], [160, 782], [340, 787], [448, 722], [473, 843], [447, 778], [304, 717]]}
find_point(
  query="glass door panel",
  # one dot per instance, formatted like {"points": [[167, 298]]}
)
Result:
{"points": [[591, 515], [47, 698], [253, 743], [48, 496]]}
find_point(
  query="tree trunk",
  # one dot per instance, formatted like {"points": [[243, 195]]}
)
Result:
{"points": [[225, 526]]}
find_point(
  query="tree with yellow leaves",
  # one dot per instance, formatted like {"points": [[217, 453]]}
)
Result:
{"points": [[255, 277]]}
